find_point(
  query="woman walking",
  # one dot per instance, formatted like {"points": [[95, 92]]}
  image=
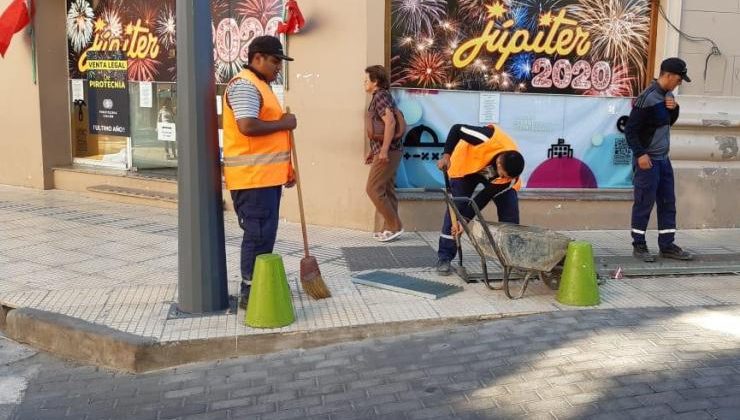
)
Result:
{"points": [[386, 145]]}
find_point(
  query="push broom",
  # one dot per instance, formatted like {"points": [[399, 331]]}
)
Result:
{"points": [[311, 279]]}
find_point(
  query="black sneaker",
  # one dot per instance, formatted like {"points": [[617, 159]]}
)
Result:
{"points": [[674, 251], [641, 252], [444, 268], [244, 297]]}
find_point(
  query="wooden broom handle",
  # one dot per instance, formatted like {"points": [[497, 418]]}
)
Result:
{"points": [[297, 175]]}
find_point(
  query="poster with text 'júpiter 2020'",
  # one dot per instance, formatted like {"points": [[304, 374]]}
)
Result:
{"points": [[577, 47]]}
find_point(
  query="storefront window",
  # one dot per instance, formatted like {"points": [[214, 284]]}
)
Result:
{"points": [[124, 106], [153, 116]]}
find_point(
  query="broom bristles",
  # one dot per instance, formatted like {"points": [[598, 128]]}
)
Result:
{"points": [[311, 281]]}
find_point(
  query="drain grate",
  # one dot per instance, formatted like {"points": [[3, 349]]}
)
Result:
{"points": [[406, 284], [701, 264], [377, 257]]}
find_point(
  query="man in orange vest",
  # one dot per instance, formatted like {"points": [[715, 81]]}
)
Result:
{"points": [[487, 156], [257, 152]]}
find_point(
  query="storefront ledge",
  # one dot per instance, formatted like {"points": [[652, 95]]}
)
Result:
{"points": [[85, 342], [534, 194], [134, 192], [709, 120], [97, 170]]}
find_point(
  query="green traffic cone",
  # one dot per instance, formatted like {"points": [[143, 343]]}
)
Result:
{"points": [[578, 285], [270, 304]]}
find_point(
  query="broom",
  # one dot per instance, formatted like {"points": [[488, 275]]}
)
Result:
{"points": [[311, 279]]}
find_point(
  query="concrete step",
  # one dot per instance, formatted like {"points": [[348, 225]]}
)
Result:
{"points": [[80, 177], [122, 186], [137, 193]]}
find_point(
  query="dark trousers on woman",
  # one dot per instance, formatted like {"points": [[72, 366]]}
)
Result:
{"points": [[507, 207], [381, 189]]}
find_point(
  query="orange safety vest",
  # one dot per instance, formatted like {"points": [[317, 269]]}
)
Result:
{"points": [[469, 159], [255, 161]]}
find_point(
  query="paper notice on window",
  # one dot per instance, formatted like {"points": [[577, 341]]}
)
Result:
{"points": [[145, 94], [220, 138], [279, 91], [78, 90], [166, 132], [489, 107]]}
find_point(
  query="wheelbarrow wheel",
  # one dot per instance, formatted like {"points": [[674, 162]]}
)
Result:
{"points": [[507, 288], [550, 279]]}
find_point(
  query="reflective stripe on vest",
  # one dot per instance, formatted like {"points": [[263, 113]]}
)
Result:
{"points": [[255, 161], [469, 159]]}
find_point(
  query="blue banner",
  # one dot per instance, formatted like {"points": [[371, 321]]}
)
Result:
{"points": [[567, 141]]}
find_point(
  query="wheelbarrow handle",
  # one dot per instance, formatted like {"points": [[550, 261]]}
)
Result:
{"points": [[453, 216]]}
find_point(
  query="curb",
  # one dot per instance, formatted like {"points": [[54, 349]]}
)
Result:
{"points": [[75, 339], [81, 341]]}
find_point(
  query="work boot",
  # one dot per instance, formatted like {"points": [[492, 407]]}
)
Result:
{"points": [[641, 252], [444, 268], [244, 296], [674, 251]]}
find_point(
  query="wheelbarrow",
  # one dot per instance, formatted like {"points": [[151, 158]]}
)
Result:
{"points": [[526, 251]]}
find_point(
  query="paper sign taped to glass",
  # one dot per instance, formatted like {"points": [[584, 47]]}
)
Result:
{"points": [[166, 131]]}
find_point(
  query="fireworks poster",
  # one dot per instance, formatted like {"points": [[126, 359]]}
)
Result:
{"points": [[576, 47], [108, 93], [146, 32]]}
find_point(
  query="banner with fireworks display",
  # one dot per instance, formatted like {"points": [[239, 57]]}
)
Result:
{"points": [[578, 47], [145, 31]]}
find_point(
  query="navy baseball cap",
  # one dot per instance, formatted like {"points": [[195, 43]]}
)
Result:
{"points": [[267, 44], [676, 66]]}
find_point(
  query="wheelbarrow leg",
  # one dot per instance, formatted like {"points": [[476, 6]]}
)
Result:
{"points": [[507, 290], [486, 280]]}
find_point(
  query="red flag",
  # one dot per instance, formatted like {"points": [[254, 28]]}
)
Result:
{"points": [[293, 19], [13, 19]]}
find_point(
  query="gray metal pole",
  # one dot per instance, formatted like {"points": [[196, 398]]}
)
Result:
{"points": [[201, 278]]}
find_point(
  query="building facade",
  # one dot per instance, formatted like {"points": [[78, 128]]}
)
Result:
{"points": [[49, 140]]}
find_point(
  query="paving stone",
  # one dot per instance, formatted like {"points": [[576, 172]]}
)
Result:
{"points": [[185, 410], [246, 412], [660, 398], [430, 413], [723, 413], [650, 412], [685, 406], [619, 404], [396, 407], [546, 405]]}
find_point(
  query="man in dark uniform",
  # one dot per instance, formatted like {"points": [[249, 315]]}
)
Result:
{"points": [[648, 134]]}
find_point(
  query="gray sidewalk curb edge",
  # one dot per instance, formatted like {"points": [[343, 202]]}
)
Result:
{"points": [[81, 341]]}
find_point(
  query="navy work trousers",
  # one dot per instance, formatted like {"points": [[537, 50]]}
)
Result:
{"points": [[257, 210], [654, 186], [507, 206]]}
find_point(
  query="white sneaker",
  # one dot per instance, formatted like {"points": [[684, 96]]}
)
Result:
{"points": [[389, 236]]}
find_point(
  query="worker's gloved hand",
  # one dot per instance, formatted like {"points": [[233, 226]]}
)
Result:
{"points": [[444, 163], [457, 230]]}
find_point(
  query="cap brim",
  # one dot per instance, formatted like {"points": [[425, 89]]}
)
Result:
{"points": [[686, 77], [283, 57]]}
